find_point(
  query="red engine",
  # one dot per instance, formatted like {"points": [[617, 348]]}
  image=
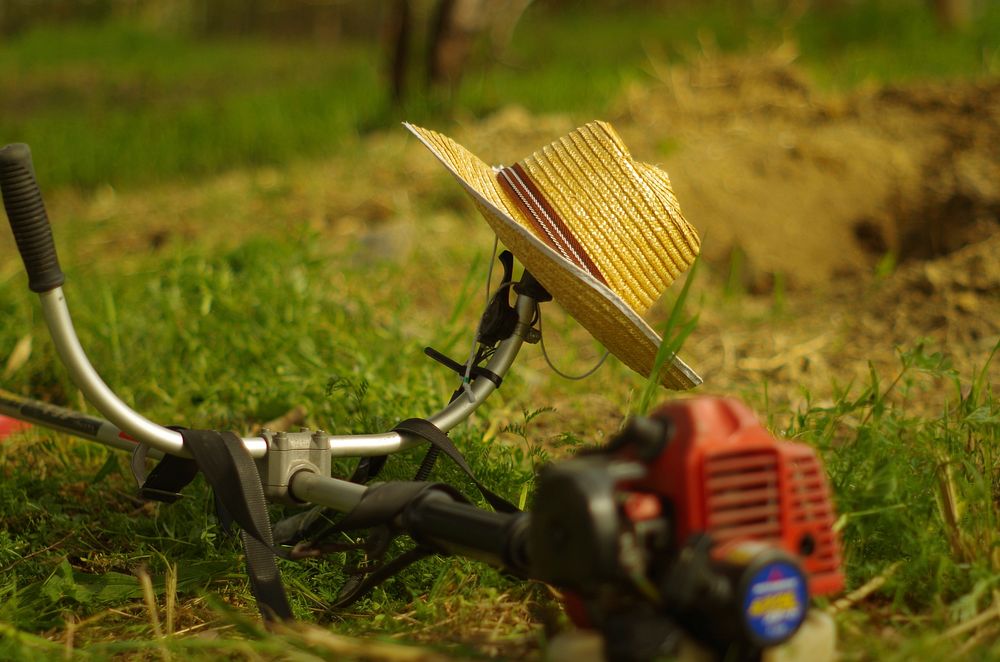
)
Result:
{"points": [[699, 510], [725, 475]]}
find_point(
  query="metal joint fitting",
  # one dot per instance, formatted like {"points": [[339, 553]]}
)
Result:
{"points": [[288, 453]]}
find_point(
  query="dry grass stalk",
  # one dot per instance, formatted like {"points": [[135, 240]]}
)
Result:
{"points": [[785, 357], [984, 635], [950, 507], [171, 597], [18, 357], [993, 612], [70, 632], [149, 597], [341, 646], [291, 418], [859, 594]]}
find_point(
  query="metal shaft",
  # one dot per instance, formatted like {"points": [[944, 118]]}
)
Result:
{"points": [[136, 425], [454, 412], [341, 495]]}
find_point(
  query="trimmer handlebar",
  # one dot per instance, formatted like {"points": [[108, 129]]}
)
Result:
{"points": [[26, 211], [30, 224]]}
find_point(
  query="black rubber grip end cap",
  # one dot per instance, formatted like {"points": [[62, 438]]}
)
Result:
{"points": [[28, 220]]}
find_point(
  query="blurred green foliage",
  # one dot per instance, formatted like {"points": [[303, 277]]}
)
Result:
{"points": [[119, 102]]}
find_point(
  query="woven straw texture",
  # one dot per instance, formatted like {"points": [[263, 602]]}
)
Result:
{"points": [[622, 212]]}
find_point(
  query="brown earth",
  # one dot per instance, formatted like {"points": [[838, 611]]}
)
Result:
{"points": [[807, 185], [821, 189]]}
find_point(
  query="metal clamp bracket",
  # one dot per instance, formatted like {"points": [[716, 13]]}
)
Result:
{"points": [[289, 453]]}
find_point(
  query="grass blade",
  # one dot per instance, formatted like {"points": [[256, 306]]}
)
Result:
{"points": [[673, 336]]}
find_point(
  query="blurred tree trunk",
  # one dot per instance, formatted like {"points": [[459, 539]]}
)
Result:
{"points": [[450, 31], [398, 28], [953, 14]]}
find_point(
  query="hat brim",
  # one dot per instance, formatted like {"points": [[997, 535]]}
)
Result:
{"points": [[599, 310]]}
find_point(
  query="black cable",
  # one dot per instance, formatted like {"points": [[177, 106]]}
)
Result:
{"points": [[557, 370]]}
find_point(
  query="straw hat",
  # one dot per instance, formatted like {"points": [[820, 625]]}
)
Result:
{"points": [[603, 233]]}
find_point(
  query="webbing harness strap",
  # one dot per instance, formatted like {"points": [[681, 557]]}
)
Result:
{"points": [[232, 474], [437, 438], [380, 506], [167, 479], [369, 467]]}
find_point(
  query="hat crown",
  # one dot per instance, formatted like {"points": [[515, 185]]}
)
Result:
{"points": [[621, 212]]}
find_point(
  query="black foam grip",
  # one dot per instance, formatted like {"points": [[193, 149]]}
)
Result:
{"points": [[28, 220]]}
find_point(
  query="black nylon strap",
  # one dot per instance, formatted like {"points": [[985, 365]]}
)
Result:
{"points": [[171, 475], [167, 479], [383, 502], [459, 368], [358, 587], [232, 473], [427, 430], [380, 505], [368, 468]]}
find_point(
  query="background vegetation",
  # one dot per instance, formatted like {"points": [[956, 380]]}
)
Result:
{"points": [[140, 99]]}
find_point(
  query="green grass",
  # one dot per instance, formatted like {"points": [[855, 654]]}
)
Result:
{"points": [[897, 41], [125, 105], [917, 493], [119, 104], [916, 484]]}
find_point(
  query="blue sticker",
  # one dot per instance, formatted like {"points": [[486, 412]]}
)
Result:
{"points": [[776, 601]]}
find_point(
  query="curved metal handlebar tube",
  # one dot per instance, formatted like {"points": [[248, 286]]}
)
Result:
{"points": [[456, 411], [141, 429], [29, 221], [137, 426]]}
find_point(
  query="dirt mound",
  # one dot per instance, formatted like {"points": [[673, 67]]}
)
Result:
{"points": [[816, 186], [954, 300], [811, 185]]}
